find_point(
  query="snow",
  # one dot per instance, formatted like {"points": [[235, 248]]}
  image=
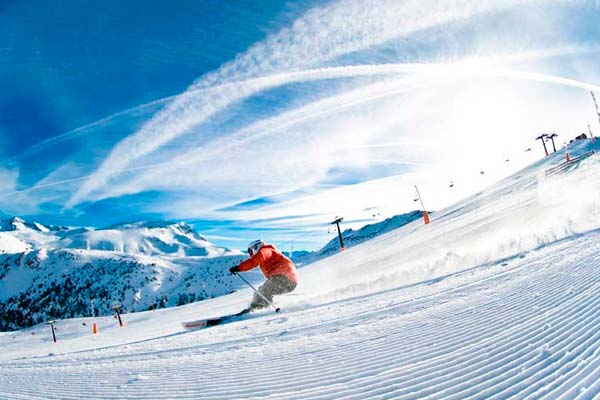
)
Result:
{"points": [[174, 240], [147, 238], [496, 299], [353, 237], [10, 244], [143, 265], [35, 235]]}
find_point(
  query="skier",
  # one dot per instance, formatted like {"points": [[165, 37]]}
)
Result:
{"points": [[279, 270]]}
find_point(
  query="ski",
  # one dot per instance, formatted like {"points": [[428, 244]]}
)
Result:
{"points": [[208, 322], [202, 323]]}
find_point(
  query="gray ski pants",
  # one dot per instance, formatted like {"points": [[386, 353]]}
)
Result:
{"points": [[278, 284]]}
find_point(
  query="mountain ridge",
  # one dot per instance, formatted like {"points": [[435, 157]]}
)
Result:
{"points": [[55, 273]]}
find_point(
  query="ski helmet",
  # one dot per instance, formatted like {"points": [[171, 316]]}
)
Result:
{"points": [[255, 246]]}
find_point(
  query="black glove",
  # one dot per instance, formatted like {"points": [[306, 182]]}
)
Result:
{"points": [[233, 270]]}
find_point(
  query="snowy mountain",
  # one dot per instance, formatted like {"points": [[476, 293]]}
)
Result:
{"points": [[16, 224], [10, 244], [353, 237], [55, 284], [33, 234], [496, 299], [53, 273], [149, 238]]}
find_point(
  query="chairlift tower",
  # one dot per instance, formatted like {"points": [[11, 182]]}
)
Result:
{"points": [[336, 222], [542, 137], [51, 323], [551, 137], [117, 309]]}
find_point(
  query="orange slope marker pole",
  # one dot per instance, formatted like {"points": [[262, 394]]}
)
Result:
{"points": [[425, 214], [94, 325]]}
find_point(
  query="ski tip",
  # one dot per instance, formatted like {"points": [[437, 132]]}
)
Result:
{"points": [[195, 324]]}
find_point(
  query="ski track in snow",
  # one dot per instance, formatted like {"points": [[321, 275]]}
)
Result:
{"points": [[523, 327], [524, 330]]}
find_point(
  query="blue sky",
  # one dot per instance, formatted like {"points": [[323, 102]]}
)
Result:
{"points": [[267, 119]]}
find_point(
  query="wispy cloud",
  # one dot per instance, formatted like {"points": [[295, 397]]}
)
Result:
{"points": [[321, 35], [11, 200], [231, 151], [8, 179], [472, 134], [305, 125]]}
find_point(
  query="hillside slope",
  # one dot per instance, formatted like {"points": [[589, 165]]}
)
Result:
{"points": [[496, 299], [353, 237], [55, 272], [10, 244], [49, 273]]}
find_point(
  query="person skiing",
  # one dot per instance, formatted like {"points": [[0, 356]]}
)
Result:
{"points": [[279, 271]]}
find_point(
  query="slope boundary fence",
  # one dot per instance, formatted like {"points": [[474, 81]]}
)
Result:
{"points": [[567, 164]]}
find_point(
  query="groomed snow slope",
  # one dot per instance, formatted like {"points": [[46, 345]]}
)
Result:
{"points": [[496, 299]]}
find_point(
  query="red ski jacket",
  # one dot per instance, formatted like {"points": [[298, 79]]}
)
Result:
{"points": [[271, 262]]}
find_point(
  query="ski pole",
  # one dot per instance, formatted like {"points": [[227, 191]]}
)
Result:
{"points": [[277, 309]]}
